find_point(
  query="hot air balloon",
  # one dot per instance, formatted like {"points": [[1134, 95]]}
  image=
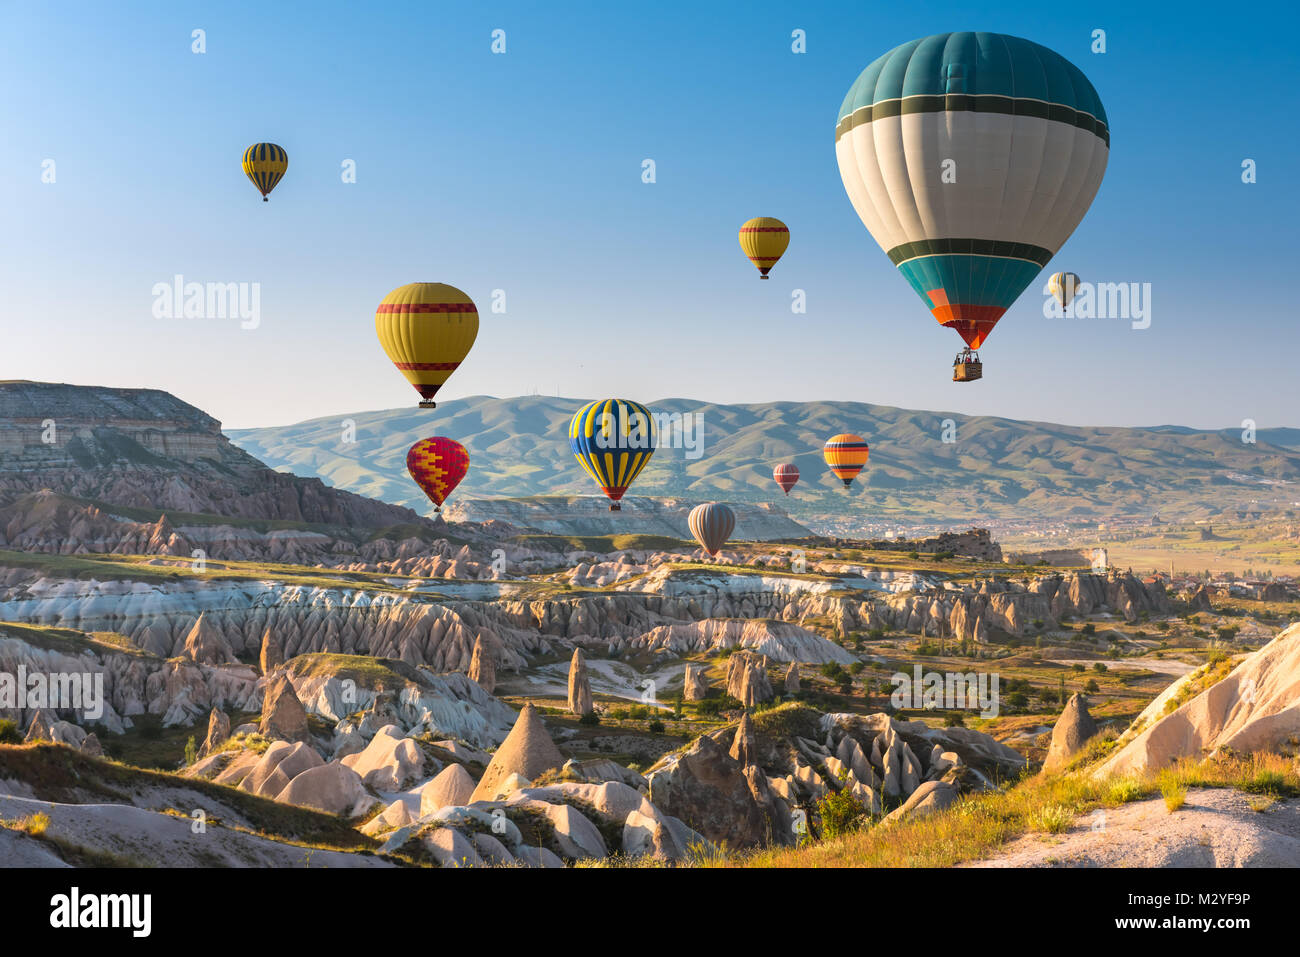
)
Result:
{"points": [[613, 440], [437, 465], [971, 158], [1062, 286], [846, 454], [711, 525], [264, 164], [786, 476], [764, 241], [427, 329]]}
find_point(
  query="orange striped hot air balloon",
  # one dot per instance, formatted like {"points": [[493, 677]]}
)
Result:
{"points": [[846, 454], [437, 465], [427, 329], [764, 241]]}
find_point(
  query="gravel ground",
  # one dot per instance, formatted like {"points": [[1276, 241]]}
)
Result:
{"points": [[1215, 828]]}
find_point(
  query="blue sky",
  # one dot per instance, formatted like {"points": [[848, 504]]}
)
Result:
{"points": [[522, 172]]}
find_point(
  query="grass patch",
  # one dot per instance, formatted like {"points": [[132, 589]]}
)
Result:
{"points": [[1173, 791], [1052, 819]]}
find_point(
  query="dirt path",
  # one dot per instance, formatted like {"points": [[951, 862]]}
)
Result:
{"points": [[1215, 828]]}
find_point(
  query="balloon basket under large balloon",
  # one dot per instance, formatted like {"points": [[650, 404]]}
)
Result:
{"points": [[266, 199], [616, 507], [764, 277], [428, 404], [848, 483], [967, 367]]}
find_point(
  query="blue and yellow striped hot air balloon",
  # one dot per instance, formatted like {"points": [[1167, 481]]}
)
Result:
{"points": [[613, 440], [265, 165], [971, 158]]}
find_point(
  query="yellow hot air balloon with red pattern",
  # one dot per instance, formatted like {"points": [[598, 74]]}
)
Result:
{"points": [[764, 240], [846, 454], [427, 330]]}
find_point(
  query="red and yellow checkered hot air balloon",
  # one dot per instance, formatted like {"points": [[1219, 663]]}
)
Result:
{"points": [[846, 454], [764, 241], [427, 329], [437, 465]]}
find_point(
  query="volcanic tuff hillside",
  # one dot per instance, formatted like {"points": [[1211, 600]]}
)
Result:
{"points": [[589, 515], [144, 448], [993, 468]]}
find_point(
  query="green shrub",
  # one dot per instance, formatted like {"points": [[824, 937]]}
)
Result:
{"points": [[712, 706], [9, 733], [589, 719], [833, 670], [841, 814], [656, 726]]}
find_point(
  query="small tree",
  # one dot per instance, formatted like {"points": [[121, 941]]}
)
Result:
{"points": [[9, 733], [841, 813], [191, 751]]}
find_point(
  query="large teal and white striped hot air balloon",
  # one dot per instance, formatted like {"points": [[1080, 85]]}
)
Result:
{"points": [[971, 158]]}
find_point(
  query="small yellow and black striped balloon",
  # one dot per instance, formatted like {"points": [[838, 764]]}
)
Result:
{"points": [[764, 240], [265, 164]]}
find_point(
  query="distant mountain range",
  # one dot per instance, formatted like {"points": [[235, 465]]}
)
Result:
{"points": [[925, 467]]}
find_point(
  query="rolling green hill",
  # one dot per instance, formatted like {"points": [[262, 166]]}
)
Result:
{"points": [[992, 468]]}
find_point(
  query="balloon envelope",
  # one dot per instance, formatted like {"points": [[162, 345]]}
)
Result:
{"points": [[846, 454], [265, 164], [612, 440], [1062, 286], [764, 240], [711, 525], [437, 465], [971, 158], [427, 330], [786, 476]]}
